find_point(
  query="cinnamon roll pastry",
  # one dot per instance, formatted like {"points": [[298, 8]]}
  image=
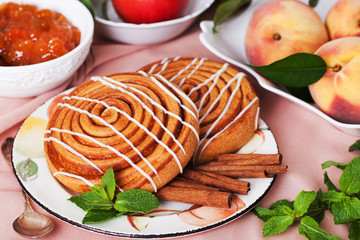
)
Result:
{"points": [[142, 126], [227, 105]]}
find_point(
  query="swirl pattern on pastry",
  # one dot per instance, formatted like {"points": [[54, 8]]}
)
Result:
{"points": [[144, 128], [227, 105]]}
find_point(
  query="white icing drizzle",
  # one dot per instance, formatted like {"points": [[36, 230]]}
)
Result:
{"points": [[238, 76], [213, 78], [70, 149], [111, 149], [135, 121], [227, 126], [121, 87], [164, 62], [74, 176], [192, 72], [216, 76], [106, 124], [257, 118], [177, 90]]}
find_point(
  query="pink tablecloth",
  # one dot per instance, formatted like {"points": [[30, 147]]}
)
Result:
{"points": [[304, 139]]}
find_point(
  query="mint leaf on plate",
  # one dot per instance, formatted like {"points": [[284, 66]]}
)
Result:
{"points": [[91, 200], [136, 200], [96, 215], [309, 228], [107, 188], [100, 205]]}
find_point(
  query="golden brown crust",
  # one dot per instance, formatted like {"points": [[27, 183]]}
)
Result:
{"points": [[97, 127], [227, 104]]}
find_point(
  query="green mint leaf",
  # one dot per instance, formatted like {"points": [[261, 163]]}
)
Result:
{"points": [[95, 215], [297, 70], [303, 201], [355, 146], [88, 4], [91, 200], [333, 196], [350, 178], [313, 3], [329, 183], [107, 188], [317, 208], [279, 208], [282, 202], [263, 213], [136, 200], [226, 9], [347, 210], [310, 229], [277, 224], [328, 164], [354, 230]]}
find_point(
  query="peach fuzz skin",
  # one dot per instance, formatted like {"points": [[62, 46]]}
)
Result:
{"points": [[343, 19], [337, 93], [299, 26]]}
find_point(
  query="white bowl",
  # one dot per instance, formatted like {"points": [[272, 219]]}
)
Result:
{"points": [[32, 80], [117, 30]]}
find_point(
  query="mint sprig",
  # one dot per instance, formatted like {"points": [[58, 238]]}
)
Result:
{"points": [[308, 208], [100, 205]]}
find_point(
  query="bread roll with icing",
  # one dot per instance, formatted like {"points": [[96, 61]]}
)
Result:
{"points": [[142, 126], [227, 105]]}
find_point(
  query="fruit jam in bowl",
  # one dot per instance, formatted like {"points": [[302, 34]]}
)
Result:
{"points": [[42, 44], [145, 31]]}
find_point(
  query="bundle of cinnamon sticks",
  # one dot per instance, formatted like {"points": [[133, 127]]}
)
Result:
{"points": [[216, 183]]}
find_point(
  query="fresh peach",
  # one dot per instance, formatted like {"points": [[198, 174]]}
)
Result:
{"points": [[279, 28], [337, 93], [343, 19]]}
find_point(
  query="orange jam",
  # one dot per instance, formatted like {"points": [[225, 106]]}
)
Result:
{"points": [[29, 35]]}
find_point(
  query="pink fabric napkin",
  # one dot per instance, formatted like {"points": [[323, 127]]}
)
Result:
{"points": [[304, 139]]}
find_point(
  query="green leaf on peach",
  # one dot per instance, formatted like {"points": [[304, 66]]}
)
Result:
{"points": [[297, 70]]}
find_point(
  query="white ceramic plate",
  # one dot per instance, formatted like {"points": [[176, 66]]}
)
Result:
{"points": [[228, 44], [45, 190]]}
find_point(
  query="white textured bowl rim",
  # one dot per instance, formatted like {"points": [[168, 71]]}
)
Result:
{"points": [[87, 37], [157, 24]]}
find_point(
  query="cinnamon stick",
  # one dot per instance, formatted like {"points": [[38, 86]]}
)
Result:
{"points": [[239, 186], [269, 169], [190, 184], [195, 196], [243, 173], [248, 159]]}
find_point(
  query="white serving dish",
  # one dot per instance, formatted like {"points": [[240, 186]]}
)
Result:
{"points": [[115, 29], [165, 224], [228, 44], [32, 80]]}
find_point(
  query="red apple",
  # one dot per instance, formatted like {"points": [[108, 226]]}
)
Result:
{"points": [[149, 11]]}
